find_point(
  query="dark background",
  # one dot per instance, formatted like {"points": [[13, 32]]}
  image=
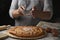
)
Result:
{"points": [[4, 11], [56, 8]]}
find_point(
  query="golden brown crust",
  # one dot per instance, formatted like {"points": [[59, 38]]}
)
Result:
{"points": [[48, 30], [26, 31], [55, 32], [3, 27]]}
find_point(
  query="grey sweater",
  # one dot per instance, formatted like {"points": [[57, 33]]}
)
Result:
{"points": [[44, 5]]}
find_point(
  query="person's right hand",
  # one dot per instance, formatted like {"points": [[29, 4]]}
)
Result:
{"points": [[18, 12]]}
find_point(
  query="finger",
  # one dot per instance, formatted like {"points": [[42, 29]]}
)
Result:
{"points": [[33, 9], [20, 9], [23, 7], [19, 13]]}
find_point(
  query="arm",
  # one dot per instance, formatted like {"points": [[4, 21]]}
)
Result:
{"points": [[47, 10], [46, 13], [14, 6]]}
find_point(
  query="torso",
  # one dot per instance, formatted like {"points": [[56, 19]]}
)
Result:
{"points": [[28, 20]]}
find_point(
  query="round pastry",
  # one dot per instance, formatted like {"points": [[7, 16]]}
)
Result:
{"points": [[26, 31], [55, 32], [48, 29]]}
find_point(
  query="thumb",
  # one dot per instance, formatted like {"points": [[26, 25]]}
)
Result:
{"points": [[34, 8]]}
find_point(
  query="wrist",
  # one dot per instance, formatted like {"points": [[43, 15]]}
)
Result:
{"points": [[45, 15]]}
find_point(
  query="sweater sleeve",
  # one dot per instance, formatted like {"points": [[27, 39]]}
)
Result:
{"points": [[14, 5], [48, 6]]}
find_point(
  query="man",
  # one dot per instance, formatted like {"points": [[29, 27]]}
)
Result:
{"points": [[30, 12]]}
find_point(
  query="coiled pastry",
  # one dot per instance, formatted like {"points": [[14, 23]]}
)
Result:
{"points": [[26, 31]]}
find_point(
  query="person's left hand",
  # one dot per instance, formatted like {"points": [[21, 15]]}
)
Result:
{"points": [[35, 12]]}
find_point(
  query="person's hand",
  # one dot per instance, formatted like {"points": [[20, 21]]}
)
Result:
{"points": [[18, 12], [35, 12]]}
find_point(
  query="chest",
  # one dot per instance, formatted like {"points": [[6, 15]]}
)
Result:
{"points": [[28, 2]]}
